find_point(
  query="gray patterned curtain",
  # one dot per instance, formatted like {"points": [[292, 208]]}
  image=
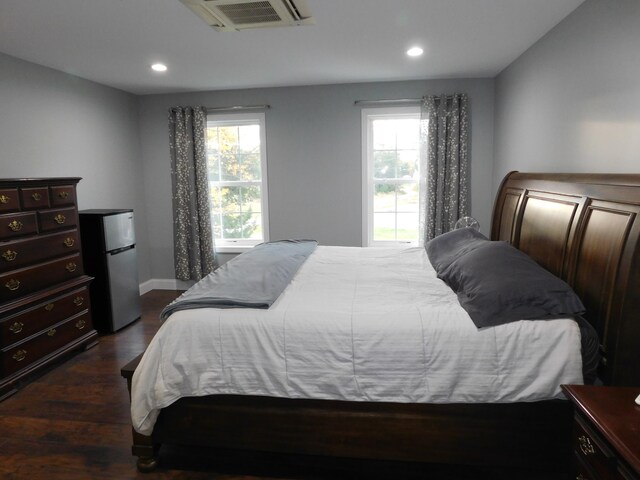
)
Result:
{"points": [[194, 254], [445, 159]]}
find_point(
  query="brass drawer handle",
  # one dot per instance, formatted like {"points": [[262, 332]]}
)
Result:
{"points": [[63, 195], [13, 284], [10, 255], [51, 332], [16, 226], [586, 447], [49, 307], [19, 355], [36, 196], [59, 219], [80, 324], [4, 199], [70, 267], [16, 327], [78, 301], [68, 242]]}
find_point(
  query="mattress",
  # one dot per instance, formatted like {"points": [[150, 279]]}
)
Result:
{"points": [[356, 324]]}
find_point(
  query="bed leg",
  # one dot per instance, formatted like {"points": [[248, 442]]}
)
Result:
{"points": [[147, 452], [147, 464]]}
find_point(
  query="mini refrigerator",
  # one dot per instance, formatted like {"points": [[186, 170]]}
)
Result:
{"points": [[109, 255]]}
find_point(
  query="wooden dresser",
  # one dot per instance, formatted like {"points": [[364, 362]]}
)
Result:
{"points": [[44, 297], [606, 432]]}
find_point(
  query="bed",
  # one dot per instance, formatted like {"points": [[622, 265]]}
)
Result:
{"points": [[582, 228]]}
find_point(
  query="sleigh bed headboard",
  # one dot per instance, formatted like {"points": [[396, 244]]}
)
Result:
{"points": [[585, 228]]}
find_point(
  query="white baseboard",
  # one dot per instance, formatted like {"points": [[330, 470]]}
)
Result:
{"points": [[164, 284]]}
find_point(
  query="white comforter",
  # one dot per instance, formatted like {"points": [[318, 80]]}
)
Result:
{"points": [[360, 324]]}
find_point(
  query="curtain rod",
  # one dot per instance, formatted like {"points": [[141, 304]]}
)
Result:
{"points": [[396, 101], [238, 108], [382, 102]]}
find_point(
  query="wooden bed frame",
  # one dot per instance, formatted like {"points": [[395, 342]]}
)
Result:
{"points": [[585, 228]]}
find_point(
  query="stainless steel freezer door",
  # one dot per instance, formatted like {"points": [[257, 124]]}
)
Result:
{"points": [[124, 288], [118, 231]]}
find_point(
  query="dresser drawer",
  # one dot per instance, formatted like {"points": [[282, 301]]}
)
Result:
{"points": [[17, 225], [593, 452], [580, 470], [34, 198], [9, 200], [63, 195], [24, 324], [57, 219], [17, 283], [21, 253], [20, 356]]}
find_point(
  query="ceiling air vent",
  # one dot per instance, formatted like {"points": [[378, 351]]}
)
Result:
{"points": [[232, 15]]}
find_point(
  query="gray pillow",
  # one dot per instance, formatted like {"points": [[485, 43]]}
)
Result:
{"points": [[445, 248], [496, 284]]}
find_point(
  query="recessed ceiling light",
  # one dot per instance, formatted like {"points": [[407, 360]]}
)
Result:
{"points": [[159, 67], [415, 52]]}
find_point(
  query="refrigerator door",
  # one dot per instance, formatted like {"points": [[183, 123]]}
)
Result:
{"points": [[123, 288], [118, 231]]}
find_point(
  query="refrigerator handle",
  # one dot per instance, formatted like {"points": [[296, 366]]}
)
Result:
{"points": [[119, 250]]}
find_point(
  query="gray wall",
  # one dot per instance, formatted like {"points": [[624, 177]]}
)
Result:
{"points": [[313, 154], [55, 125], [572, 101]]}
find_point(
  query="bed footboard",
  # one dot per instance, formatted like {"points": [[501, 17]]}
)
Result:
{"points": [[498, 435]]}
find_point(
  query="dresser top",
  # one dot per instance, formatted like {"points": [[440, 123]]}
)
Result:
{"points": [[614, 412], [12, 182]]}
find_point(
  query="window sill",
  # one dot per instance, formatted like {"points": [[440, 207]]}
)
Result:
{"points": [[393, 244], [233, 248]]}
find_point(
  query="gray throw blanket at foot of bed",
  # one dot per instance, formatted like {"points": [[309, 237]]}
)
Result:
{"points": [[254, 279]]}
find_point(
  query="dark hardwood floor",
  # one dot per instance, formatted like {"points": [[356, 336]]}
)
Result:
{"points": [[73, 423]]}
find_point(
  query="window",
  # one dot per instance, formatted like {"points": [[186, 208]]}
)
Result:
{"points": [[391, 175], [236, 162]]}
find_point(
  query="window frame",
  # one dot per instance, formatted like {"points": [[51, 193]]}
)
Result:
{"points": [[368, 115], [237, 119]]}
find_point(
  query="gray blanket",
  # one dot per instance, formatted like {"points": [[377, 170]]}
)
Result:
{"points": [[254, 279]]}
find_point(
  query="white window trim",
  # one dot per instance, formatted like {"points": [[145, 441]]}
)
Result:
{"points": [[242, 245], [233, 248], [368, 115]]}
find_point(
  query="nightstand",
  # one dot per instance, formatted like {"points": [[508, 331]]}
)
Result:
{"points": [[606, 432]]}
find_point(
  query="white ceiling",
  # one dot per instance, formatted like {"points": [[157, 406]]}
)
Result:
{"points": [[114, 42]]}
